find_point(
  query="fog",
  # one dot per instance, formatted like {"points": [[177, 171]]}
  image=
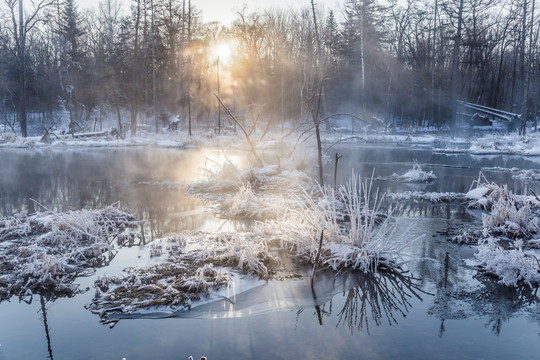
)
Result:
{"points": [[394, 66]]}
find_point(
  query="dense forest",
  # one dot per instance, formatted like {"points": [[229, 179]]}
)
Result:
{"points": [[401, 63]]}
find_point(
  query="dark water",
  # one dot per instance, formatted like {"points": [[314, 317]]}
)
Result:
{"points": [[445, 311]]}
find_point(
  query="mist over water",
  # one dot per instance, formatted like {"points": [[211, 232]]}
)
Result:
{"points": [[422, 313]]}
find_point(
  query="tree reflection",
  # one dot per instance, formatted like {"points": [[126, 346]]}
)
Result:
{"points": [[495, 302], [46, 326], [374, 298]]}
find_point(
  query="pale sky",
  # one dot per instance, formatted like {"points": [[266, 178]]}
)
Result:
{"points": [[224, 10]]}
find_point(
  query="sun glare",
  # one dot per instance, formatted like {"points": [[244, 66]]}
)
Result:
{"points": [[222, 52]]}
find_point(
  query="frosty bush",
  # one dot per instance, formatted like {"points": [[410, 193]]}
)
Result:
{"points": [[510, 266], [508, 217], [508, 214], [356, 235], [245, 203], [244, 252]]}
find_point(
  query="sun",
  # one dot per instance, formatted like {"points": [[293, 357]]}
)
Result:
{"points": [[222, 52]]}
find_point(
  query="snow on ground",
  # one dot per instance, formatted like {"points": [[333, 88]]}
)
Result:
{"points": [[495, 144], [105, 139], [525, 175], [487, 143]]}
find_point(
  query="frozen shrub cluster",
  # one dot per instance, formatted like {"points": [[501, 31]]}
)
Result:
{"points": [[529, 175], [416, 175], [184, 276], [255, 193], [509, 217], [241, 251], [219, 178], [356, 235], [510, 266], [508, 214], [467, 237], [246, 204], [46, 251]]}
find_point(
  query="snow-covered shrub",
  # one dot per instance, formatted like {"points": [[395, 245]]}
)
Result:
{"points": [[185, 275], [511, 266], [227, 177], [527, 175], [416, 175], [507, 214], [249, 255], [509, 217], [356, 235], [244, 203]]}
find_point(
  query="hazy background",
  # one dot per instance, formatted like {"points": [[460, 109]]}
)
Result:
{"points": [[224, 11]]}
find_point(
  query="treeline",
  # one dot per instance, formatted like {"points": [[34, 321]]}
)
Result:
{"points": [[403, 63]]}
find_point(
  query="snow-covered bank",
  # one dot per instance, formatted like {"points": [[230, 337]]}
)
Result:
{"points": [[486, 144], [179, 140], [496, 144]]}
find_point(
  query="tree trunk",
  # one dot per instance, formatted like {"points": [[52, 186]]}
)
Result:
{"points": [[455, 65], [315, 112], [22, 70], [136, 77]]}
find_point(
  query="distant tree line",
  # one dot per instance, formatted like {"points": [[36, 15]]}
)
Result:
{"points": [[404, 63]]}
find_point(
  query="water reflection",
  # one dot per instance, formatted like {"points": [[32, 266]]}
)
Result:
{"points": [[455, 172], [147, 182], [489, 300], [378, 298], [424, 209], [46, 326]]}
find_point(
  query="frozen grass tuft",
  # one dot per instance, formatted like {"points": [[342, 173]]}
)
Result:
{"points": [[510, 266], [356, 235], [416, 175], [246, 204]]}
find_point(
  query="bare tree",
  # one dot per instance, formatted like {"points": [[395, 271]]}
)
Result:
{"points": [[21, 28]]}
